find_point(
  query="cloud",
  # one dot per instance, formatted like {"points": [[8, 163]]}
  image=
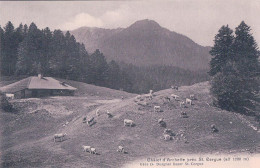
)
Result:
{"points": [[120, 17], [82, 19]]}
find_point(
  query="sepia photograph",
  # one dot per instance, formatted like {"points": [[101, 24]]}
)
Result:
{"points": [[130, 84]]}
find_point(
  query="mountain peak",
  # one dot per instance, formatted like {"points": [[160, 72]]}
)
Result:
{"points": [[144, 24]]}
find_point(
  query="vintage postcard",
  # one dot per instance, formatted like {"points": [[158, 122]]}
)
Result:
{"points": [[130, 84]]}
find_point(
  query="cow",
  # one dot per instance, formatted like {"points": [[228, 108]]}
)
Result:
{"points": [[167, 98], [184, 115], [9, 96], [109, 115], [188, 101], [213, 128], [84, 120], [93, 151], [91, 121], [168, 131], [157, 108], [182, 104], [175, 96], [59, 136], [121, 149], [128, 122], [174, 87], [192, 97], [167, 137], [144, 103], [162, 122], [86, 148], [148, 96]]}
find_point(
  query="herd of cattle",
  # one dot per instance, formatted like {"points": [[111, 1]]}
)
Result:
{"points": [[142, 100]]}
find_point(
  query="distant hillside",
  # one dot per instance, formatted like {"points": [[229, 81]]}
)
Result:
{"points": [[145, 43]]}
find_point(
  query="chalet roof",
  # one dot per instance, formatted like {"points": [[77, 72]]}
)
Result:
{"points": [[36, 83]]}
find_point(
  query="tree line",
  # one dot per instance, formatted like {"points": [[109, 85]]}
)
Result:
{"points": [[29, 50], [235, 70]]}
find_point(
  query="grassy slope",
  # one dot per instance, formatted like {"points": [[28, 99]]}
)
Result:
{"points": [[27, 136]]}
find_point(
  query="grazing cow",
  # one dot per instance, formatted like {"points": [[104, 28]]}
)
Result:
{"points": [[65, 124], [86, 148], [192, 97], [168, 131], [167, 98], [93, 151], [121, 149], [128, 122], [91, 121], [188, 101], [109, 115], [184, 115], [84, 120], [167, 137], [9, 96], [138, 97], [144, 103], [157, 108], [213, 128], [148, 96], [174, 87], [162, 122], [59, 136], [175, 96], [182, 104]]}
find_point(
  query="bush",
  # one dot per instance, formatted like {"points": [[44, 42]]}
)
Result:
{"points": [[5, 104]]}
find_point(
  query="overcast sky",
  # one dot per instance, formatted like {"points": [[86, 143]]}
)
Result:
{"points": [[198, 19]]}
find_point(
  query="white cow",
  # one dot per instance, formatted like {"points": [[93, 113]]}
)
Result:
{"points": [[148, 96], [188, 101], [121, 149], [182, 104], [138, 97], [59, 136], [174, 87], [93, 151], [157, 108], [144, 103], [192, 97], [86, 148], [160, 120], [9, 96], [167, 137], [109, 115], [175, 96], [128, 122]]}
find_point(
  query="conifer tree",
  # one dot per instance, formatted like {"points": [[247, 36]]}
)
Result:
{"points": [[235, 70], [221, 51]]}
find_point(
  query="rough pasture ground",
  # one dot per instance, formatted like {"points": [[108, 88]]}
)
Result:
{"points": [[28, 141]]}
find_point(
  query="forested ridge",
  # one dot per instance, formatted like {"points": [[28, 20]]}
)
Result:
{"points": [[28, 50]]}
